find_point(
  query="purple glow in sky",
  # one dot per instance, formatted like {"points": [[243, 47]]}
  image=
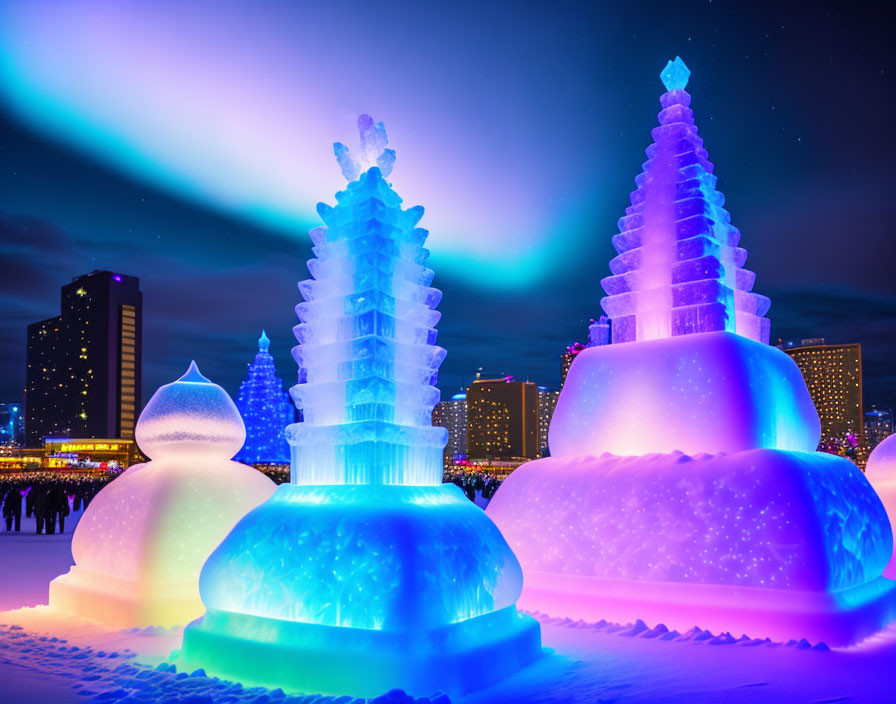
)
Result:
{"points": [[237, 109]]}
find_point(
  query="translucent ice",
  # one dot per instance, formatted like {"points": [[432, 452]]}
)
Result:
{"points": [[712, 392], [750, 530], [679, 269], [367, 354], [365, 573], [772, 543], [140, 545], [881, 472]]}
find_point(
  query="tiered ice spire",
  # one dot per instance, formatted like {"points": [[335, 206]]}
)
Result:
{"points": [[266, 410], [679, 269], [367, 355]]}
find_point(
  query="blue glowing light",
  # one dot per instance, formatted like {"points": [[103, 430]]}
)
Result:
{"points": [[366, 573], [266, 410], [675, 75]]}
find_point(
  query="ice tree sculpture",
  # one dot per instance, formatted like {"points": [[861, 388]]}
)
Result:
{"points": [[266, 410], [140, 545], [679, 268], [365, 573], [683, 487]]}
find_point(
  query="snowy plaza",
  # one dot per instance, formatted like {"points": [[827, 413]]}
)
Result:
{"points": [[686, 532]]}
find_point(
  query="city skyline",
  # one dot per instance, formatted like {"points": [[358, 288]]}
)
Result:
{"points": [[212, 277]]}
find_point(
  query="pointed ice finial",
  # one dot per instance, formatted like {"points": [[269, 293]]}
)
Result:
{"points": [[373, 151], [194, 375], [675, 75], [264, 342]]}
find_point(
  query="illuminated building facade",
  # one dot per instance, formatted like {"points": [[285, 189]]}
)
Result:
{"points": [[89, 454], [83, 372], [833, 374], [502, 419], [547, 402], [12, 424], [878, 425], [452, 414]]}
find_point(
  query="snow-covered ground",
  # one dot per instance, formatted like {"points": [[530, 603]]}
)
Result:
{"points": [[46, 656]]}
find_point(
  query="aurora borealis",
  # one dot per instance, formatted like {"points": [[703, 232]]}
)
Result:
{"points": [[188, 143]]}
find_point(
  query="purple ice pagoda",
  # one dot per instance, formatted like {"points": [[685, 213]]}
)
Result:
{"points": [[683, 485]]}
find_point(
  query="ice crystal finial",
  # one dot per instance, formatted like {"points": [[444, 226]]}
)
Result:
{"points": [[675, 75], [373, 151], [194, 375], [264, 342]]}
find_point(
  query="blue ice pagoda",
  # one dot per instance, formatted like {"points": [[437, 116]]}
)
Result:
{"points": [[266, 410]]}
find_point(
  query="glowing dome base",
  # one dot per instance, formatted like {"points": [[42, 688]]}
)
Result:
{"points": [[141, 542], [358, 589], [881, 472], [706, 392], [764, 542]]}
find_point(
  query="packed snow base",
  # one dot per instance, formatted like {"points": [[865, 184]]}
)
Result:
{"points": [[779, 544], [365, 573], [140, 545]]}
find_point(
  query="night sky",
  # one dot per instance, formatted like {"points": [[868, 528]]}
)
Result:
{"points": [[188, 144]]}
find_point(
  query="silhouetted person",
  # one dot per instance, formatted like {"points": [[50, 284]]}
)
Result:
{"points": [[12, 508]]}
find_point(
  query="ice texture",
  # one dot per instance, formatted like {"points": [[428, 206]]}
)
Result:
{"points": [[780, 544], [266, 410], [683, 486], [711, 392], [367, 354], [141, 542], [881, 472], [679, 269], [345, 576], [365, 573]]}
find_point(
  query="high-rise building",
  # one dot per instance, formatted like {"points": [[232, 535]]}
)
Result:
{"points": [[878, 425], [452, 414], [547, 402], [12, 424], [833, 374], [502, 419], [83, 373]]}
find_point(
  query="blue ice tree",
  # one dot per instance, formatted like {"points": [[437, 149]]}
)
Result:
{"points": [[266, 410]]}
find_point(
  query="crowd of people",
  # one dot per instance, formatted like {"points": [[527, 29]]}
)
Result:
{"points": [[474, 485], [52, 496], [48, 496]]}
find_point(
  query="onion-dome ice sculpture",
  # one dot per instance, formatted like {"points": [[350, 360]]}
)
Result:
{"points": [[365, 573], [683, 487], [881, 472], [141, 542]]}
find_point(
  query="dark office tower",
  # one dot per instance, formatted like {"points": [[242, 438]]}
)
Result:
{"points": [[84, 366], [502, 419]]}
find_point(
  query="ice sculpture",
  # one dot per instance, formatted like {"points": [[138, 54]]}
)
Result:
{"points": [[266, 410], [679, 268], [365, 573], [141, 543], [881, 472], [682, 485]]}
